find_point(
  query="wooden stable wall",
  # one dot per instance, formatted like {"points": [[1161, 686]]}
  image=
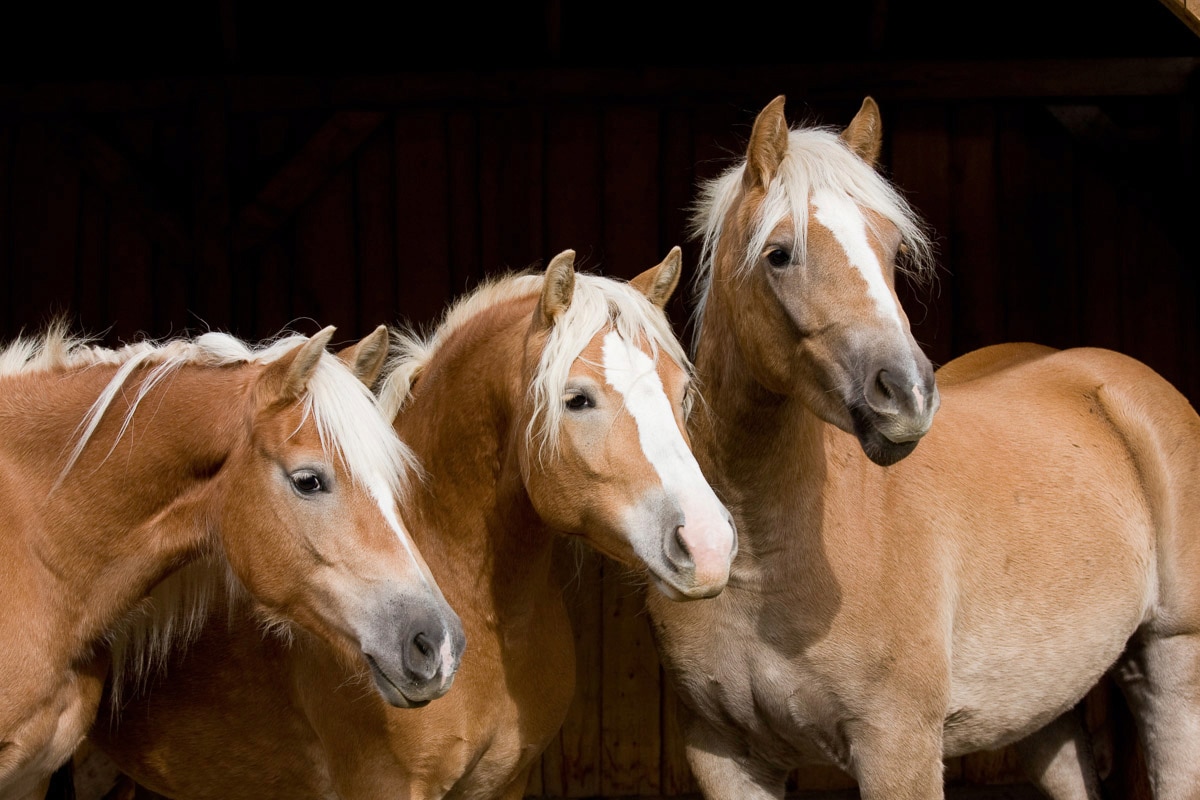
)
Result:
{"points": [[1060, 195]]}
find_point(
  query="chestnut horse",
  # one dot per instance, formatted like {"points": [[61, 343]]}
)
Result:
{"points": [[119, 466], [542, 405], [893, 603]]}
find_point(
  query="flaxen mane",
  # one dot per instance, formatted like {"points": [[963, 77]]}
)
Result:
{"points": [[598, 302], [344, 411], [817, 159]]}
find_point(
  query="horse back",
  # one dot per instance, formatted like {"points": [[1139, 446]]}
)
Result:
{"points": [[988, 360], [1116, 445]]}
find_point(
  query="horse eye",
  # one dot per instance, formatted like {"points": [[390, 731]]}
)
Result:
{"points": [[579, 401], [779, 257], [306, 481]]}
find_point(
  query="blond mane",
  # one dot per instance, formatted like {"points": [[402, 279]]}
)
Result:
{"points": [[345, 412], [817, 159], [598, 303]]}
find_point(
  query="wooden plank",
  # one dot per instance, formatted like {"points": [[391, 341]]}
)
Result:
{"points": [[573, 209], [172, 141], [1099, 289], [1188, 12], [631, 740], [45, 215], [580, 770], [130, 260], [678, 193], [8, 326], [630, 716], [323, 283], [973, 317], [374, 217], [272, 267], [1149, 296], [917, 157], [511, 188], [319, 158], [824, 80], [424, 242], [1036, 207], [466, 266], [211, 294], [91, 286], [573, 184], [116, 173]]}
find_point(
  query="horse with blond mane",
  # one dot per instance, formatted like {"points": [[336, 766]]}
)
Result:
{"points": [[893, 603], [543, 405], [272, 463]]}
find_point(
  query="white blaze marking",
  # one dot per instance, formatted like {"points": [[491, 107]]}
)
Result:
{"points": [[845, 221], [380, 490], [631, 373]]}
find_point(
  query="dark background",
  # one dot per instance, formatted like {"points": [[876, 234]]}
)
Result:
{"points": [[247, 166]]}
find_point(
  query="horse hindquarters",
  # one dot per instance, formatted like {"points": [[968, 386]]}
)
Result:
{"points": [[1160, 670]]}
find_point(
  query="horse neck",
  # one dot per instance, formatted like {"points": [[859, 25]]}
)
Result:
{"points": [[128, 513], [478, 529], [764, 452]]}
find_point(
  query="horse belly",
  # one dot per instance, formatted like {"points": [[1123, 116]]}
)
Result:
{"points": [[1015, 681]]}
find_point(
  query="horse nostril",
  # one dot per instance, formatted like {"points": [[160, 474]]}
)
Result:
{"points": [[679, 554], [423, 645], [881, 383]]}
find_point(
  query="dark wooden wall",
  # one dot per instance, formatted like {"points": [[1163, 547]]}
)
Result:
{"points": [[1060, 184]]}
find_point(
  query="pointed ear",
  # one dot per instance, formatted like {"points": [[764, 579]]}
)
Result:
{"points": [[367, 357], [287, 378], [558, 289], [768, 145], [658, 283], [864, 134]]}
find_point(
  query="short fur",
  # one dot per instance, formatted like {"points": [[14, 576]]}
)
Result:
{"points": [[118, 467], [482, 401], [959, 596]]}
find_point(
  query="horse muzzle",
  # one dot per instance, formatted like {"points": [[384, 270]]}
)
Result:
{"points": [[417, 663]]}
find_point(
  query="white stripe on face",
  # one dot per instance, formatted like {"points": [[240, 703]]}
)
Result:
{"points": [[845, 221], [381, 491], [632, 374]]}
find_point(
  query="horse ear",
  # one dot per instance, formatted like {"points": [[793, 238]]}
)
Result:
{"points": [[287, 378], [658, 283], [367, 357], [768, 145], [558, 289], [864, 134]]}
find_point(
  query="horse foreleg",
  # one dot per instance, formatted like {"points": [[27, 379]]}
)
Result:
{"points": [[725, 771], [894, 759], [1058, 760], [516, 789]]}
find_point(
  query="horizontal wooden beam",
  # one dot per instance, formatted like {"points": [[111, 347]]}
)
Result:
{"points": [[933, 80]]}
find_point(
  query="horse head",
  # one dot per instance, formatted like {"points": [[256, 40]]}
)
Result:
{"points": [[801, 242], [609, 458], [310, 523]]}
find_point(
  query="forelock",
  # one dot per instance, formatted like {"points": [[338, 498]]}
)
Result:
{"points": [[598, 304], [817, 159]]}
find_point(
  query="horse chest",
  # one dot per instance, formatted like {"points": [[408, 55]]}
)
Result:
{"points": [[783, 704]]}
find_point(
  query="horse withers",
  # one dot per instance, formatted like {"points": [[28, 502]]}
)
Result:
{"points": [[271, 464], [546, 408], [926, 568]]}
